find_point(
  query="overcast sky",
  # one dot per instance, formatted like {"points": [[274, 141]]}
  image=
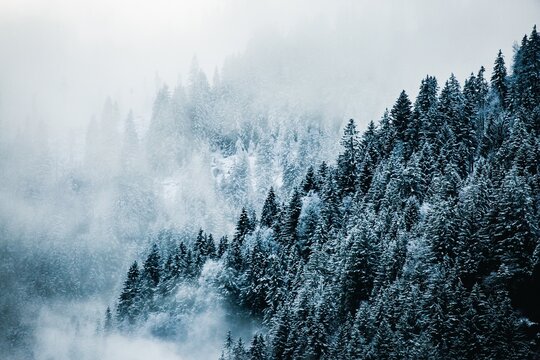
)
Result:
{"points": [[61, 58]]}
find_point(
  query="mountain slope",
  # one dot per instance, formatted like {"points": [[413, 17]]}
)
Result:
{"points": [[420, 241]]}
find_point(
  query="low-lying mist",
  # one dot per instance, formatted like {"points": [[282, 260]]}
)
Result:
{"points": [[75, 329], [103, 144]]}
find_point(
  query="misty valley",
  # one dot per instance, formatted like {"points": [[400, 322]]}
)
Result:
{"points": [[233, 223]]}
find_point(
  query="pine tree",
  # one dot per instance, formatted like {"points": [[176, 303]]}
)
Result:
{"points": [[151, 276], [152, 267], [270, 209], [257, 350], [130, 156], [525, 90], [170, 270], [199, 99], [505, 335], [264, 164], [348, 160], [243, 227], [499, 81], [515, 234], [322, 175], [451, 104], [330, 212], [127, 309], [236, 186], [310, 182], [239, 351], [289, 234], [471, 248], [161, 140], [526, 74], [401, 115], [223, 246], [200, 243], [228, 346], [359, 269], [424, 111], [318, 329], [256, 288], [182, 260], [341, 346], [442, 230], [233, 256], [108, 325], [281, 330], [371, 155], [495, 133], [210, 247]]}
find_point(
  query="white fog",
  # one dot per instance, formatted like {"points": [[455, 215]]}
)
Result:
{"points": [[122, 122]]}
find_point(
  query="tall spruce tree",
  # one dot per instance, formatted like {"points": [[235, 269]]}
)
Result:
{"points": [[243, 227], [128, 306], [348, 159], [499, 80], [270, 209], [401, 115]]}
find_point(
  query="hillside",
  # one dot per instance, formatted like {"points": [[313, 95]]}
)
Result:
{"points": [[420, 241]]}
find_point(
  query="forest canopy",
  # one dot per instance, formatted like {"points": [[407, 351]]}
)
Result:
{"points": [[420, 241]]}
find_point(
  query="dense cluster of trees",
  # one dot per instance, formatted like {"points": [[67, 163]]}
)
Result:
{"points": [[194, 129], [420, 242], [222, 118]]}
